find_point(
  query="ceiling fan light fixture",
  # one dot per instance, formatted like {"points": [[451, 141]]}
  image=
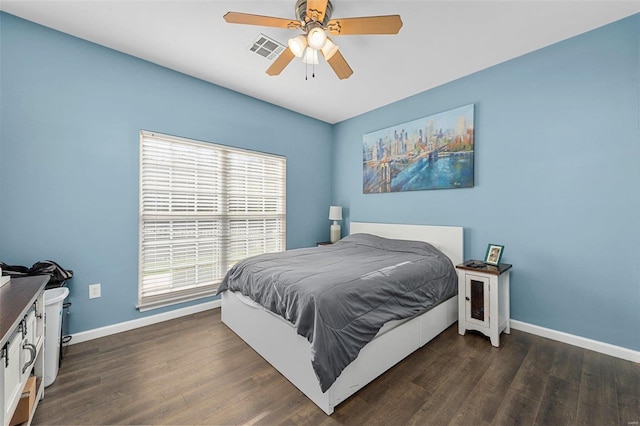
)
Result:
{"points": [[329, 49], [298, 45], [314, 19], [316, 38], [310, 56]]}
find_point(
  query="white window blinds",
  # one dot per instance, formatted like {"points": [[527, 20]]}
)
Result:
{"points": [[203, 207]]}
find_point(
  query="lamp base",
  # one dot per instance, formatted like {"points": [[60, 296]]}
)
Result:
{"points": [[335, 232]]}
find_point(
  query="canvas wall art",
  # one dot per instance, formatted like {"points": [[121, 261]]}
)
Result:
{"points": [[434, 152]]}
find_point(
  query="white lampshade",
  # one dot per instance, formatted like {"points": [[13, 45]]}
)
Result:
{"points": [[329, 49], [310, 56], [298, 45], [316, 38], [335, 213]]}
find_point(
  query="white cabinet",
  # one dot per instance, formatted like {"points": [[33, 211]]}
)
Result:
{"points": [[19, 358], [12, 377], [22, 350], [483, 299]]}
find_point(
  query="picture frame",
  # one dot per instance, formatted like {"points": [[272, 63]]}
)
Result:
{"points": [[494, 254]]}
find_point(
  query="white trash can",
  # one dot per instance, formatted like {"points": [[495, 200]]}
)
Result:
{"points": [[52, 331]]}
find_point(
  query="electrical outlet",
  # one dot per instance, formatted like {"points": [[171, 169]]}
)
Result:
{"points": [[94, 291]]}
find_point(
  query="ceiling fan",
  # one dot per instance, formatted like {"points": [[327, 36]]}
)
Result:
{"points": [[314, 19]]}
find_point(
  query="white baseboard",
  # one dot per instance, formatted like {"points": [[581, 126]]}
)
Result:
{"points": [[582, 342], [142, 322]]}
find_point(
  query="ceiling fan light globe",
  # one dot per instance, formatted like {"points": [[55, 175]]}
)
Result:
{"points": [[310, 56], [329, 49], [298, 45], [316, 38]]}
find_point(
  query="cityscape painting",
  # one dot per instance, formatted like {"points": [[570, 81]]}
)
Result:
{"points": [[434, 152]]}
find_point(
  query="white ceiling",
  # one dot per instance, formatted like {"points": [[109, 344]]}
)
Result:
{"points": [[439, 42]]}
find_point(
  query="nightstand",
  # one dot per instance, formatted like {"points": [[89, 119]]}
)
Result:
{"points": [[483, 299], [324, 243]]}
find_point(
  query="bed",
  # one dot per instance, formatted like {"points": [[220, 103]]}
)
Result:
{"points": [[291, 353]]}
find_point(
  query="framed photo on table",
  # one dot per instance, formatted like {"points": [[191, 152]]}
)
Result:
{"points": [[494, 254]]}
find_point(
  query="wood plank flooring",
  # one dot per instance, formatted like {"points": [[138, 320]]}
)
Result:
{"points": [[194, 370]]}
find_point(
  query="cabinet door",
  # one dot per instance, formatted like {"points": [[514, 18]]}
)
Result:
{"points": [[28, 346], [30, 321], [477, 300], [39, 313], [12, 383]]}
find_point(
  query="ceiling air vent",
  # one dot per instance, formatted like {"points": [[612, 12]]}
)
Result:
{"points": [[266, 47]]}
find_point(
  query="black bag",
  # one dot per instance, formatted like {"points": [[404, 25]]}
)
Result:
{"points": [[57, 274], [14, 270]]}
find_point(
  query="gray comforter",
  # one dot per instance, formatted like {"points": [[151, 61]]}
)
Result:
{"points": [[339, 296]]}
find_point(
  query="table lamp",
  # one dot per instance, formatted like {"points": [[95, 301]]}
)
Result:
{"points": [[335, 214]]}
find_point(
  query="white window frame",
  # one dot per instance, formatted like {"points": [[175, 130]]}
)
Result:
{"points": [[203, 207]]}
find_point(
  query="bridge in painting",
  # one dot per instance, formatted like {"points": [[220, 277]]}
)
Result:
{"points": [[386, 169]]}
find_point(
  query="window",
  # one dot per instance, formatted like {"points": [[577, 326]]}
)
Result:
{"points": [[203, 207]]}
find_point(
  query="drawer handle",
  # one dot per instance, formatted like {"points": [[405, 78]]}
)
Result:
{"points": [[5, 354], [24, 327], [32, 351]]}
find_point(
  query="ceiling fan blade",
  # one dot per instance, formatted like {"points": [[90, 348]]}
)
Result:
{"points": [[388, 24], [265, 21], [281, 62], [340, 65], [316, 9]]}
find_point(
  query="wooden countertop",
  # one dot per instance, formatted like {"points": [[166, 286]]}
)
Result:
{"points": [[15, 298]]}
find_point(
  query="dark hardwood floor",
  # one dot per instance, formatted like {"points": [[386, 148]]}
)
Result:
{"points": [[194, 370]]}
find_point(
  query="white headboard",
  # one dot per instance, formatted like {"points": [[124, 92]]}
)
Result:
{"points": [[448, 239]]}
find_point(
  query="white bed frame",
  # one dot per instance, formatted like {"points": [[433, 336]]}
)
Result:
{"points": [[277, 341]]}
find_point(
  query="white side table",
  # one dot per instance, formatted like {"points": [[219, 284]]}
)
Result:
{"points": [[483, 299]]}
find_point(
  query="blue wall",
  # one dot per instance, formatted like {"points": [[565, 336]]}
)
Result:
{"points": [[557, 179], [70, 116]]}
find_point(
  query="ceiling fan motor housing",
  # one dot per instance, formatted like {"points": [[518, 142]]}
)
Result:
{"points": [[301, 14]]}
